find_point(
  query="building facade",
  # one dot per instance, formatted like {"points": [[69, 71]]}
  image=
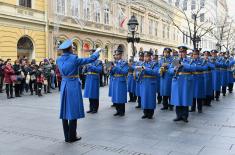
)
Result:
{"points": [[23, 29], [35, 28]]}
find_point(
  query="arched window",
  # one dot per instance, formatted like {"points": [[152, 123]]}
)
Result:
{"points": [[87, 9], [75, 48], [106, 14], [25, 47], [25, 3], [97, 11]]}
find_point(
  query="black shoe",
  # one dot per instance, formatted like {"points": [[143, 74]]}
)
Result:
{"points": [[137, 107], [11, 97], [121, 115], [217, 99], [164, 108], [75, 139], [192, 110], [171, 108], [177, 119], [224, 94], [8, 97], [90, 111], [145, 116], [116, 114], [150, 117], [31, 93], [185, 120], [199, 111], [94, 112]]}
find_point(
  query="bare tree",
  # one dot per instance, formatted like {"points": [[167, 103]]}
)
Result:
{"points": [[196, 27], [219, 33], [229, 42]]}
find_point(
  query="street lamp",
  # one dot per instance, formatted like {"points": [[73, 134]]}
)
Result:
{"points": [[132, 35]]}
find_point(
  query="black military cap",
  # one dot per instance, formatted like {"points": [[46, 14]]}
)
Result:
{"points": [[182, 47], [119, 50], [169, 50], [196, 51], [149, 53], [214, 51]]}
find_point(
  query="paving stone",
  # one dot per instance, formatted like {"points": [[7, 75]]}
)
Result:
{"points": [[30, 125]]}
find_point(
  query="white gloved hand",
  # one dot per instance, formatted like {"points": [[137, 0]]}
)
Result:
{"points": [[98, 50]]}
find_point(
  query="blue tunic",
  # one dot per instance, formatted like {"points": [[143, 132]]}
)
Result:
{"points": [[224, 73], [148, 86], [230, 71], [92, 84], [156, 64], [166, 78], [208, 80], [119, 83], [70, 93], [182, 85], [216, 76], [198, 76], [131, 83]]}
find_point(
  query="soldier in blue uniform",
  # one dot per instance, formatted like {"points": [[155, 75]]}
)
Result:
{"points": [[131, 84], [136, 77], [198, 76], [148, 72], [224, 72], [208, 79], [92, 84], [119, 72], [71, 95], [230, 73], [182, 85], [155, 60], [216, 76], [165, 79]]}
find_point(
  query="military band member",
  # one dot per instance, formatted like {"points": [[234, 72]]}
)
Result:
{"points": [[224, 72], [216, 76], [71, 95], [198, 75], [208, 79], [92, 84], [182, 86], [136, 76], [131, 84], [155, 60], [148, 72], [119, 72], [165, 79], [230, 73]]}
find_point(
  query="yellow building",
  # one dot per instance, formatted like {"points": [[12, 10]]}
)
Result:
{"points": [[23, 31]]}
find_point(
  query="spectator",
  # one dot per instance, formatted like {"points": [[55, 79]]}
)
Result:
{"points": [[8, 78]]}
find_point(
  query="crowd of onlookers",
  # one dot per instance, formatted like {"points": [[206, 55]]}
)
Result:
{"points": [[23, 76]]}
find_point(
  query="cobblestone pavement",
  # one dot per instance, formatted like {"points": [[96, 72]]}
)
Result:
{"points": [[30, 126]]}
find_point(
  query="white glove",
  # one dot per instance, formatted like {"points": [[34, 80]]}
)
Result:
{"points": [[98, 50]]}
